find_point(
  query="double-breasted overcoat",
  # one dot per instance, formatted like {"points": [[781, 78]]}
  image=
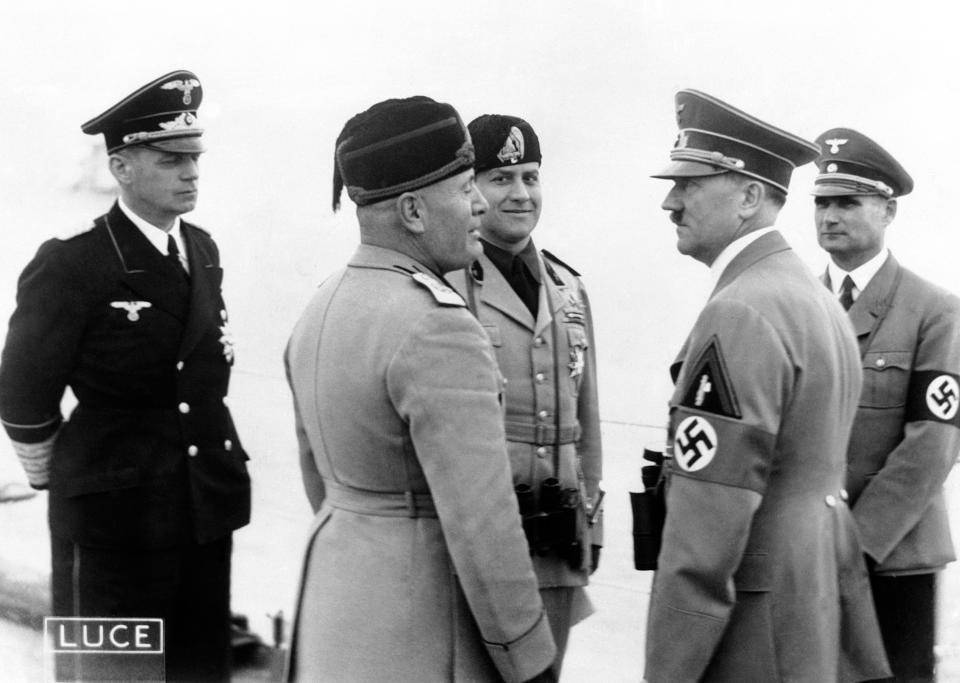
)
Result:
{"points": [[149, 457]]}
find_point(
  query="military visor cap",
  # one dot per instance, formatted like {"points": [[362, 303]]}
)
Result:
{"points": [[162, 115], [397, 146], [717, 138], [503, 141], [852, 164]]}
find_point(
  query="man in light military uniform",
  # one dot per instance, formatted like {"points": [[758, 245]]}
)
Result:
{"points": [[760, 576], [907, 431], [536, 312], [147, 477], [417, 568]]}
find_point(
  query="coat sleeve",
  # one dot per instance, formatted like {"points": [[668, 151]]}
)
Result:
{"points": [[588, 414], [897, 497], [718, 477], [40, 352], [444, 383]]}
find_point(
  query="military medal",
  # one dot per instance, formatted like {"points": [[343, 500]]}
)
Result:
{"points": [[577, 362], [226, 338]]}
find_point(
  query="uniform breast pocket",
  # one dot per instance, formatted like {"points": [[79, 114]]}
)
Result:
{"points": [[886, 378], [493, 333]]}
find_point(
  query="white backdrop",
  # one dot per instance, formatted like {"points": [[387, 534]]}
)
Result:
{"points": [[595, 79]]}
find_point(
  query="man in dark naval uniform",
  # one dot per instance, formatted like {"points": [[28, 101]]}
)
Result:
{"points": [[907, 429], [536, 312], [147, 478]]}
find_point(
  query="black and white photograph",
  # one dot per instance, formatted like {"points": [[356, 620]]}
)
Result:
{"points": [[434, 341]]}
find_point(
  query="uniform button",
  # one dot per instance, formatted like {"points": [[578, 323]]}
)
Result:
{"points": [[180, 365], [539, 377], [538, 341], [844, 496], [830, 501], [226, 401], [192, 451], [542, 452], [223, 314], [881, 362], [503, 381], [543, 414], [227, 445], [184, 407]]}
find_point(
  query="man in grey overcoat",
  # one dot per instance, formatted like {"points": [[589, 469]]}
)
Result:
{"points": [[417, 568]]}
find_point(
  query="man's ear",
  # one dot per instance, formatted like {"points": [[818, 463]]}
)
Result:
{"points": [[410, 208], [120, 168], [891, 212], [752, 199]]}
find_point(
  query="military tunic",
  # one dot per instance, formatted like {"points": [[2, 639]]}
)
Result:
{"points": [[149, 458], [417, 568], [760, 575], [906, 434], [548, 364]]}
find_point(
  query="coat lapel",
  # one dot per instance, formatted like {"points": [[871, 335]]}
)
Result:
{"points": [[552, 298], [205, 280], [873, 299], [144, 269], [497, 293], [763, 246]]}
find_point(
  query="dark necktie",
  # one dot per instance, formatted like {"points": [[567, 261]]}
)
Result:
{"points": [[524, 284], [173, 255], [846, 293]]}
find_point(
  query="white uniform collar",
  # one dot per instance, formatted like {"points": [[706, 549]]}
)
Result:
{"points": [[731, 251], [861, 275], [157, 236]]}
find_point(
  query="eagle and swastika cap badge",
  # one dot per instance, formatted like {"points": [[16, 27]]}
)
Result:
{"points": [[850, 163], [161, 114], [715, 138]]}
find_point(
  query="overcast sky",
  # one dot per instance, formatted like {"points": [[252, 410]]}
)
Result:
{"points": [[595, 79]]}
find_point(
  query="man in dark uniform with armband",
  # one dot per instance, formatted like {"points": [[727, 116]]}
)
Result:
{"points": [[147, 478], [907, 430], [535, 310]]}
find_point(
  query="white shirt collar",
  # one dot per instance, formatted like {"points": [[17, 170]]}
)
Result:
{"points": [[861, 275], [157, 236], [731, 251]]}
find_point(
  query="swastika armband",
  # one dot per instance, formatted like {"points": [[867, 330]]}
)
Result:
{"points": [[934, 396], [721, 450]]}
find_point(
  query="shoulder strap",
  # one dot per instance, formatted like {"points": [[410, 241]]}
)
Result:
{"points": [[445, 296]]}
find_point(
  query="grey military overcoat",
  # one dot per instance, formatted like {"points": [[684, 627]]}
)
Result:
{"points": [[417, 569]]}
